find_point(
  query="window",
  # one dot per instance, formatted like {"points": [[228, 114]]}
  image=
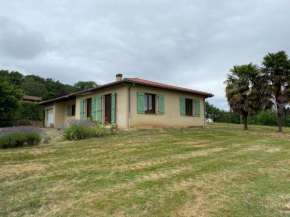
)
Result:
{"points": [[89, 107], [149, 103], [188, 107], [73, 110]]}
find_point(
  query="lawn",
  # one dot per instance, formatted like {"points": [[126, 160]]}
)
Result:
{"points": [[218, 171]]}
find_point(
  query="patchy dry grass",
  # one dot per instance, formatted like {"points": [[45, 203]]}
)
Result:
{"points": [[218, 171]]}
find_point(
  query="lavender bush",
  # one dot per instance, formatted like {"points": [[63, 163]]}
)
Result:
{"points": [[82, 129], [12, 137]]}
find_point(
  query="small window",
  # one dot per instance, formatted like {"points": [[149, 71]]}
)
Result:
{"points": [[149, 103], [73, 110], [188, 107], [89, 107]]}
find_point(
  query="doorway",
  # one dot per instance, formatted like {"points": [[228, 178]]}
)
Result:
{"points": [[108, 108], [49, 117], [89, 108]]}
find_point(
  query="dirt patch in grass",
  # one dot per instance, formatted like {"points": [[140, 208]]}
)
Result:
{"points": [[163, 160], [277, 135], [12, 170]]}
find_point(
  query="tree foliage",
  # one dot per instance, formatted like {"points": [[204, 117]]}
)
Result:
{"points": [[82, 85], [243, 91], [33, 88], [276, 77], [9, 100]]}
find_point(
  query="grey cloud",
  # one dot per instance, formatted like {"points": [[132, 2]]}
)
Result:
{"points": [[186, 43], [17, 41]]}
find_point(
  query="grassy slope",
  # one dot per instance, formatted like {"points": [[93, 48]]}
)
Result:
{"points": [[219, 171]]}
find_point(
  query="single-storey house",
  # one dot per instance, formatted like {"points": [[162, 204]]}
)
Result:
{"points": [[130, 103]]}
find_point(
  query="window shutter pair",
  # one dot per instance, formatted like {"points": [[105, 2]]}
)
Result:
{"points": [[183, 109], [141, 103], [82, 109], [68, 113]]}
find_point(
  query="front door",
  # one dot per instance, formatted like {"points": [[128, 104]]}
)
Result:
{"points": [[49, 117], [108, 108]]}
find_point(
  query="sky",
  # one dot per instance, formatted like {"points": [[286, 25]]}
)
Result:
{"points": [[186, 43]]}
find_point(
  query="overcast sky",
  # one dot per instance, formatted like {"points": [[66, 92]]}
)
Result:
{"points": [[186, 43]]}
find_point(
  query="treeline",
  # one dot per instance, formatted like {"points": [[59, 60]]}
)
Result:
{"points": [[14, 85], [47, 88], [265, 118]]}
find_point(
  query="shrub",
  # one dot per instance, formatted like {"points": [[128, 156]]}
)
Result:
{"points": [[99, 130], [77, 129], [83, 129], [29, 111], [19, 136]]}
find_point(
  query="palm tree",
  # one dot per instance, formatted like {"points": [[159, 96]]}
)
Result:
{"points": [[242, 91], [276, 73]]}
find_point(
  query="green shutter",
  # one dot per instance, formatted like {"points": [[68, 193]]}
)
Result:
{"points": [[82, 109], [182, 106], [197, 107], [140, 102], [161, 104], [68, 110], [113, 110], [99, 109], [94, 109]]}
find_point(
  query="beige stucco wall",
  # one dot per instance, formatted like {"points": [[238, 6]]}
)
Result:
{"points": [[171, 117], [121, 103]]}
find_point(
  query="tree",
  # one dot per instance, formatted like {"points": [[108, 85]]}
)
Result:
{"points": [[9, 97], [4, 73], [82, 85], [15, 78], [62, 92], [276, 74], [242, 91], [33, 88], [48, 95]]}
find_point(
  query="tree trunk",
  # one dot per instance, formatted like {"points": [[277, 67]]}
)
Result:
{"points": [[280, 122], [245, 116]]}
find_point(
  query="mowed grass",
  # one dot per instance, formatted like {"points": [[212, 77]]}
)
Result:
{"points": [[218, 171]]}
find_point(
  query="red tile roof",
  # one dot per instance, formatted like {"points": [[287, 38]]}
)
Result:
{"points": [[32, 98], [167, 86], [132, 81]]}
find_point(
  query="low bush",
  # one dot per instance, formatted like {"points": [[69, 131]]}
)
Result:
{"points": [[13, 137], [83, 129]]}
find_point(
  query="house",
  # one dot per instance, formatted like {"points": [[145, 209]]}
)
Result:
{"points": [[31, 98], [130, 103]]}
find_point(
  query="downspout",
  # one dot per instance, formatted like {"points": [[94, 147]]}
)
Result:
{"points": [[204, 112], [129, 106]]}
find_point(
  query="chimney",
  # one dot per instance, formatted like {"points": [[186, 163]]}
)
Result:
{"points": [[119, 77]]}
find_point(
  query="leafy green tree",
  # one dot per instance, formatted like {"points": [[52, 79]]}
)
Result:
{"points": [[49, 95], [242, 91], [9, 97], [33, 88], [4, 73], [15, 78], [276, 74], [36, 78], [82, 85]]}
